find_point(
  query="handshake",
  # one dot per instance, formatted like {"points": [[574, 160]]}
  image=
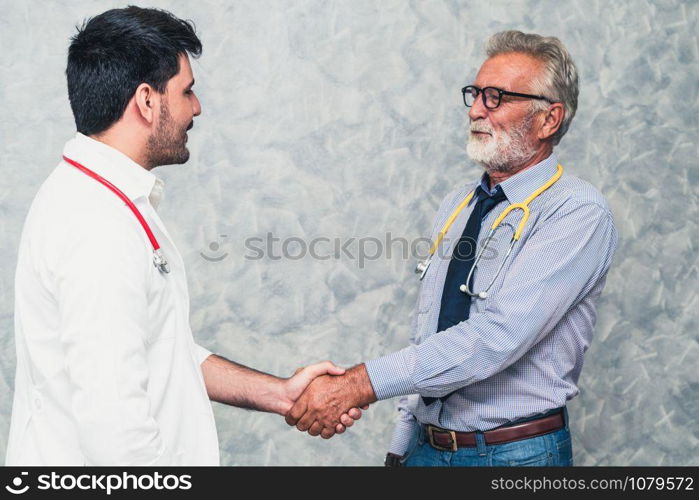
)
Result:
{"points": [[324, 399]]}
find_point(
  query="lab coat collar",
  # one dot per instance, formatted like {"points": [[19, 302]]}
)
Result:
{"points": [[518, 187], [130, 177]]}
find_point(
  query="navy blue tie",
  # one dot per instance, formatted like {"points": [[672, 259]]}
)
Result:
{"points": [[455, 303]]}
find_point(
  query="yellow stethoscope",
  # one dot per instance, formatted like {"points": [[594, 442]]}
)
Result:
{"points": [[423, 266]]}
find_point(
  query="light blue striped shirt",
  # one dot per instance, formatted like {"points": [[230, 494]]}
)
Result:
{"points": [[520, 352]]}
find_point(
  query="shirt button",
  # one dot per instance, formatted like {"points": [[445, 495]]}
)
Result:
{"points": [[37, 403]]}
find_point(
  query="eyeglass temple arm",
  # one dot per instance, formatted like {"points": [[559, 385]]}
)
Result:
{"points": [[517, 94]]}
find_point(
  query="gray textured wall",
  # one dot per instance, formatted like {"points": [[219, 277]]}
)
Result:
{"points": [[344, 119]]}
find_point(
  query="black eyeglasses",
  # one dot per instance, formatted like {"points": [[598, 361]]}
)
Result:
{"points": [[492, 96]]}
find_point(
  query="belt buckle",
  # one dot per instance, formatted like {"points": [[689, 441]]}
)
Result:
{"points": [[452, 434]]}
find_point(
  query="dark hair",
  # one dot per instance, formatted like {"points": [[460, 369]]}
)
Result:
{"points": [[116, 51]]}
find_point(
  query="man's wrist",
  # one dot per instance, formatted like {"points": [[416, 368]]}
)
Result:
{"points": [[280, 402], [358, 378], [390, 376]]}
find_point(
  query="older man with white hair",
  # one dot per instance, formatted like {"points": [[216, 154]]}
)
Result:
{"points": [[506, 308]]}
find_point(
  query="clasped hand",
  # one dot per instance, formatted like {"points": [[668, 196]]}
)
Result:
{"points": [[331, 402]]}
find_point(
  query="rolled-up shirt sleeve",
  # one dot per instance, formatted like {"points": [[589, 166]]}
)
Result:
{"points": [[102, 299], [201, 353], [565, 257]]}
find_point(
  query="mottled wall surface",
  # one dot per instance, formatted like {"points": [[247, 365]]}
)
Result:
{"points": [[343, 119]]}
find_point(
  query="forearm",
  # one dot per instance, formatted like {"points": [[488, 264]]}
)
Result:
{"points": [[356, 384], [466, 353], [237, 385]]}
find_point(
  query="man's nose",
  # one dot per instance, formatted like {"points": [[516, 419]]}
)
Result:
{"points": [[196, 109], [478, 110]]}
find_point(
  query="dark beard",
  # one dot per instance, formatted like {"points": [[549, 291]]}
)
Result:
{"points": [[166, 146]]}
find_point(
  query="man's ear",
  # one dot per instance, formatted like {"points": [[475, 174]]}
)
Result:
{"points": [[147, 100], [553, 118]]}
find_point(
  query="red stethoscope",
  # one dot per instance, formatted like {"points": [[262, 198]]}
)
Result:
{"points": [[158, 258]]}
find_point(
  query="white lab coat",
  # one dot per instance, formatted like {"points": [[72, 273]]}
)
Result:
{"points": [[107, 370]]}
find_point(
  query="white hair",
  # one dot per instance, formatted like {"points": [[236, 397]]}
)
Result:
{"points": [[559, 79]]}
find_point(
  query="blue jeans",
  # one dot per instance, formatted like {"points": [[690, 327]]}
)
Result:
{"points": [[549, 450]]}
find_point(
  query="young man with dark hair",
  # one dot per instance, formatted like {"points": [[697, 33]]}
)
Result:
{"points": [[107, 371]]}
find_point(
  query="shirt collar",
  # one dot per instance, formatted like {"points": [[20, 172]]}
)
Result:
{"points": [[130, 177], [524, 183]]}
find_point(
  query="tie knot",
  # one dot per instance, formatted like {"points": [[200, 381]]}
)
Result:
{"points": [[499, 193], [487, 202]]}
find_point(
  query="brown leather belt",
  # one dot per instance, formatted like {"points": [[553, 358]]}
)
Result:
{"points": [[446, 440]]}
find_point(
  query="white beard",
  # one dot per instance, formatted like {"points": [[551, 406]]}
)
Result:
{"points": [[501, 152]]}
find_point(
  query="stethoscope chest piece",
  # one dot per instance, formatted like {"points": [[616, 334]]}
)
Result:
{"points": [[422, 267], [160, 262], [480, 295]]}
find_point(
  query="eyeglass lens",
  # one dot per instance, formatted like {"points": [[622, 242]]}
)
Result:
{"points": [[492, 96]]}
